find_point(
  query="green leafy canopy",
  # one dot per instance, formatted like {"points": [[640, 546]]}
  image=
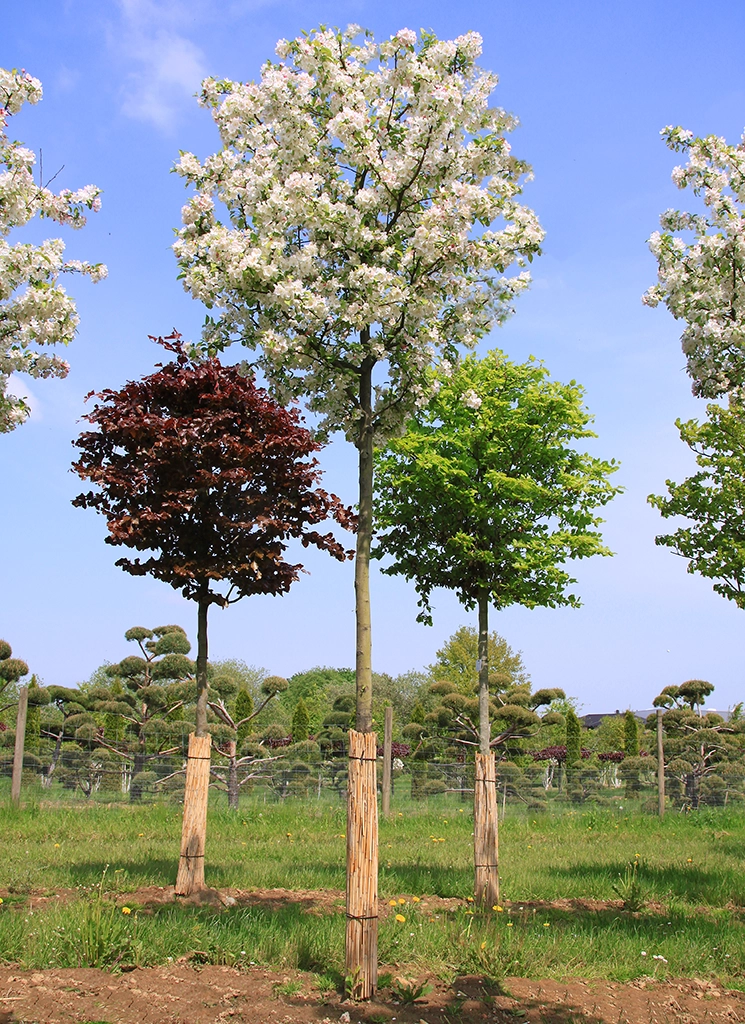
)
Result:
{"points": [[486, 491], [713, 500]]}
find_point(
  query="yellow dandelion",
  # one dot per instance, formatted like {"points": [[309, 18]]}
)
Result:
{"points": [[392, 903], [126, 910], [470, 899], [1, 900], [289, 834], [140, 835], [415, 899], [483, 945], [498, 909], [545, 924], [400, 918], [510, 924], [690, 860], [460, 810], [402, 900], [56, 846]]}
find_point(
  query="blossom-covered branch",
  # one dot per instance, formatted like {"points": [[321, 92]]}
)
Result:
{"points": [[35, 309], [701, 280]]}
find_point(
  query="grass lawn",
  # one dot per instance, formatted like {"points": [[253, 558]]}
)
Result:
{"points": [[689, 873]]}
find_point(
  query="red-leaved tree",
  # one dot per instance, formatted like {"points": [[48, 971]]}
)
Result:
{"points": [[201, 470]]}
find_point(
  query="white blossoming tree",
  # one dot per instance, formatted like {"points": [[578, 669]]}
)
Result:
{"points": [[700, 276], [372, 216], [35, 310]]}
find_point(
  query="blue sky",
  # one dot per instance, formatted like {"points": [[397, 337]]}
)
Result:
{"points": [[592, 84]]}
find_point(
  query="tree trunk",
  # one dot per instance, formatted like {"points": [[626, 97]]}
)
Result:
{"points": [[138, 765], [201, 719], [362, 797], [363, 666], [484, 725], [194, 827], [362, 866], [387, 762], [46, 779], [233, 788], [485, 806], [660, 766], [15, 786]]}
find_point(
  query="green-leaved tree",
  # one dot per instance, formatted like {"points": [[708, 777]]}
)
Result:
{"points": [[487, 495]]}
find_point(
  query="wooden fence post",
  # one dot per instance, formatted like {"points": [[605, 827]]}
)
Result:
{"points": [[387, 746], [485, 831], [190, 876], [660, 766], [362, 866], [15, 786]]}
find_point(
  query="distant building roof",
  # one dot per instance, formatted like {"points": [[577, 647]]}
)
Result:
{"points": [[593, 721]]}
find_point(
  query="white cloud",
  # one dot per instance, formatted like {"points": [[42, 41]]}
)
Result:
{"points": [[166, 67]]}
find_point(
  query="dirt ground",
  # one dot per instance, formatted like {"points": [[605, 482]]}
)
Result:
{"points": [[191, 993], [185, 994]]}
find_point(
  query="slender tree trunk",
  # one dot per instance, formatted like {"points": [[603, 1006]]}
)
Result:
{"points": [[138, 765], [660, 766], [233, 788], [46, 779], [361, 948], [362, 559], [194, 827], [15, 786], [484, 724], [485, 806], [203, 607]]}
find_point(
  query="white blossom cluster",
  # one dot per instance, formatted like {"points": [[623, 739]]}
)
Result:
{"points": [[373, 217], [700, 276], [34, 309]]}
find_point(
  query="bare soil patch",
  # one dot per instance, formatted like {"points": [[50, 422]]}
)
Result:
{"points": [[184, 994], [317, 901]]}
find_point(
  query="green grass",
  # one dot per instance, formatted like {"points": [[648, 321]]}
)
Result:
{"points": [[689, 871]]}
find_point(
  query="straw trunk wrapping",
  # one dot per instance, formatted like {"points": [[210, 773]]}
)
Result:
{"points": [[194, 830], [362, 866], [485, 831]]}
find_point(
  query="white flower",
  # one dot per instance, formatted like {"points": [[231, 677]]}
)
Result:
{"points": [[471, 399], [406, 36]]}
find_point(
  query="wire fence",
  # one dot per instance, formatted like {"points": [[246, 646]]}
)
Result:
{"points": [[101, 776]]}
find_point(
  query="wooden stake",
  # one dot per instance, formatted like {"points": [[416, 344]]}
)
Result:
{"points": [[485, 831], [15, 786], [660, 766], [362, 866], [190, 876], [387, 746]]}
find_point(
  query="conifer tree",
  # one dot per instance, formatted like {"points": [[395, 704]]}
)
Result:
{"points": [[300, 722]]}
